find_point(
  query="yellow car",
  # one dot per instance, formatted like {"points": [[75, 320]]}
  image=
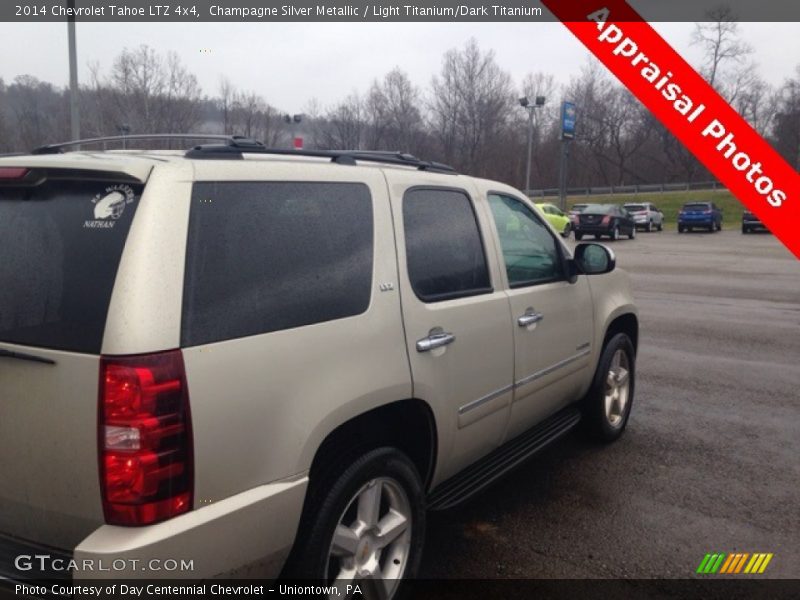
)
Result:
{"points": [[557, 218]]}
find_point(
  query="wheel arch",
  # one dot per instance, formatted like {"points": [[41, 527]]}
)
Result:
{"points": [[408, 425]]}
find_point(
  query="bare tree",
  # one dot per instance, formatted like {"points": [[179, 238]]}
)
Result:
{"points": [[470, 108], [720, 41], [225, 103], [787, 120], [148, 92], [344, 127], [392, 114]]}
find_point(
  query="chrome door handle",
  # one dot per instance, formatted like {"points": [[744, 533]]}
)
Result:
{"points": [[529, 318], [435, 340]]}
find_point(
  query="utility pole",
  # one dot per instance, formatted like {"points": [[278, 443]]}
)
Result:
{"points": [[74, 105]]}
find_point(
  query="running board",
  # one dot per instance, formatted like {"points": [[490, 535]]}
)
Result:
{"points": [[500, 461]]}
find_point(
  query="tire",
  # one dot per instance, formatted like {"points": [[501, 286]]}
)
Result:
{"points": [[649, 227], [335, 505], [597, 236], [745, 229], [719, 227], [567, 231], [712, 228], [615, 233], [605, 419], [680, 228], [578, 236], [632, 234], [661, 226]]}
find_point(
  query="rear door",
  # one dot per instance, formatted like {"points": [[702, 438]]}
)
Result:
{"points": [[62, 234], [456, 315]]}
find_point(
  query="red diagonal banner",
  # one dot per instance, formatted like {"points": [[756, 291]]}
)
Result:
{"points": [[691, 109]]}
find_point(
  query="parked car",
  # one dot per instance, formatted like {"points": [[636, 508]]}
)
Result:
{"points": [[276, 365], [556, 217], [750, 222], [604, 220], [706, 215], [646, 215], [574, 211]]}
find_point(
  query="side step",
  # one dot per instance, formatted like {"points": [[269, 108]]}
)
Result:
{"points": [[500, 461]]}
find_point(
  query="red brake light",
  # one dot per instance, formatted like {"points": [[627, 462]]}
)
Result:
{"points": [[8, 173], [146, 470], [606, 219]]}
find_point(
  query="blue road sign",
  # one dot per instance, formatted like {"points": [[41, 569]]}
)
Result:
{"points": [[568, 116]]}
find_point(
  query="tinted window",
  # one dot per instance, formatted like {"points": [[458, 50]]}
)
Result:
{"points": [[696, 207], [444, 250], [635, 207], [268, 256], [60, 246], [600, 209], [530, 252]]}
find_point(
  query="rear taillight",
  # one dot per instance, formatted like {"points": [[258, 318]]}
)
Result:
{"points": [[13, 173], [606, 220], [145, 436]]}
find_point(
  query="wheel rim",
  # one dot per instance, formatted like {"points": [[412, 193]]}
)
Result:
{"points": [[617, 388], [372, 540]]}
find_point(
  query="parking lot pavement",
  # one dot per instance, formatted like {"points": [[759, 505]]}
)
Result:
{"points": [[711, 458]]}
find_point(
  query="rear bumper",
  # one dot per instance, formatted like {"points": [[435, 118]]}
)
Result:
{"points": [[592, 229], [247, 535], [705, 222], [23, 561], [753, 223]]}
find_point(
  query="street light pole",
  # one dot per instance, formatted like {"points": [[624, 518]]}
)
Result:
{"points": [[529, 108], [525, 103], [75, 114]]}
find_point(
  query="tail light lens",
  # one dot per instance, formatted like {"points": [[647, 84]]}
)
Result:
{"points": [[145, 436], [13, 173], [606, 220]]}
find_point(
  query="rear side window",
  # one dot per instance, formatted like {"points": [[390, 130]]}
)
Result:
{"points": [[60, 247], [265, 256], [444, 249]]}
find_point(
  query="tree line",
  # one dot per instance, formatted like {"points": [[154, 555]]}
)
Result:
{"points": [[468, 116]]}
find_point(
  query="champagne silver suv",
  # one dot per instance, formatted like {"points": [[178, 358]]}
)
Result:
{"points": [[262, 362]]}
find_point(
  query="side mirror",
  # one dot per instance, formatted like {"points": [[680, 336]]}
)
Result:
{"points": [[594, 259]]}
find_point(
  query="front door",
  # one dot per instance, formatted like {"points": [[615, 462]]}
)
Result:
{"points": [[551, 318]]}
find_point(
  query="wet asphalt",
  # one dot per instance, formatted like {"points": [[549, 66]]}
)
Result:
{"points": [[710, 461]]}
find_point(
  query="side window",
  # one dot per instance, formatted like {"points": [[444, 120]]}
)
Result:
{"points": [[444, 250], [266, 256], [530, 252]]}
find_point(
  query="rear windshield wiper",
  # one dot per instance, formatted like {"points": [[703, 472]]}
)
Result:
{"points": [[23, 356]]}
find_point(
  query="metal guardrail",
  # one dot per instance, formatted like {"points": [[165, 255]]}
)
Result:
{"points": [[643, 188]]}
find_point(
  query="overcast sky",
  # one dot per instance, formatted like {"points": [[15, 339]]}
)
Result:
{"points": [[291, 63]]}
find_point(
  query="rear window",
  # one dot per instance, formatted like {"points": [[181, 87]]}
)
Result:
{"points": [[444, 249], [61, 243], [263, 257], [599, 209], [579, 207], [635, 207], [696, 207]]}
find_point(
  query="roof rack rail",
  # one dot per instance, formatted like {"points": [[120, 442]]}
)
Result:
{"points": [[236, 148], [59, 148]]}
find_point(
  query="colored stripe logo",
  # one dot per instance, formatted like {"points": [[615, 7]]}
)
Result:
{"points": [[734, 563]]}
